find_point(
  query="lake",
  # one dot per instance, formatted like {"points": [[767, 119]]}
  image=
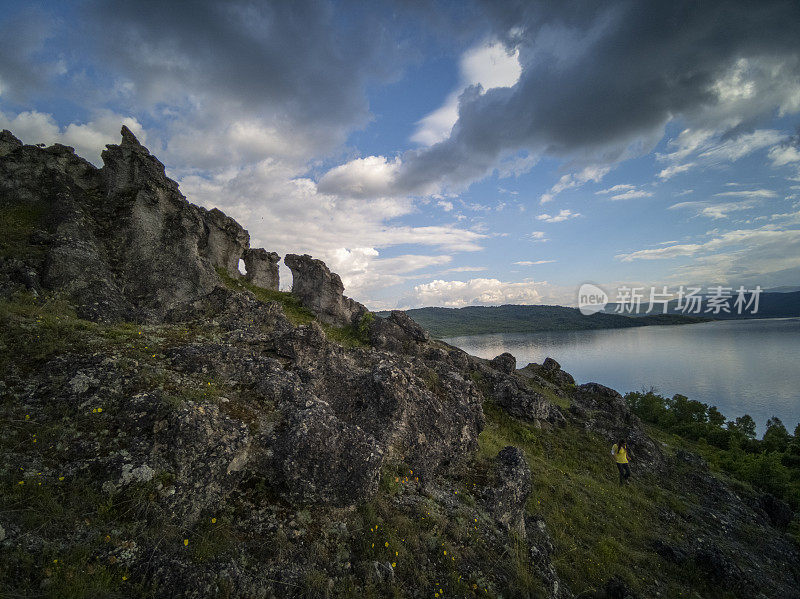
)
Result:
{"points": [[740, 366]]}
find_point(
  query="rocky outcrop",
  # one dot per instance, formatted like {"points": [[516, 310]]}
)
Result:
{"points": [[262, 268], [512, 391], [322, 291], [122, 241], [550, 371], [505, 362], [8, 142], [508, 495], [398, 333]]}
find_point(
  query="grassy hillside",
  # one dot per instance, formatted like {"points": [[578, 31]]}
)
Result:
{"points": [[475, 320], [439, 538]]}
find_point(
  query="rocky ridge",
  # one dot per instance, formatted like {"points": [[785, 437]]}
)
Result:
{"points": [[201, 436]]}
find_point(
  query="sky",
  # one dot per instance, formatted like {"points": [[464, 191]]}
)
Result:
{"points": [[447, 153]]}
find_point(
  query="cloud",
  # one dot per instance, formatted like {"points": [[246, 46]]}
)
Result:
{"points": [[708, 148], [23, 36], [616, 189], [599, 85], [560, 217], [456, 294], [466, 269], [632, 195], [361, 178], [287, 212], [296, 69], [784, 155], [753, 194], [671, 171], [538, 236], [446, 206], [489, 65], [571, 180], [746, 256], [734, 148], [529, 263], [716, 210]]}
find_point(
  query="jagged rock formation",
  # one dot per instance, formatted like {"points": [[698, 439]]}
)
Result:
{"points": [[122, 241], [322, 291]]}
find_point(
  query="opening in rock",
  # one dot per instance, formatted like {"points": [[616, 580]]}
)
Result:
{"points": [[242, 267]]}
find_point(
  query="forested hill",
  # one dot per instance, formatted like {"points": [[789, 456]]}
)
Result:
{"points": [[474, 320], [771, 304]]}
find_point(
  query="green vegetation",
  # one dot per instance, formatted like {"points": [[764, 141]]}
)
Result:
{"points": [[771, 464], [475, 320]]}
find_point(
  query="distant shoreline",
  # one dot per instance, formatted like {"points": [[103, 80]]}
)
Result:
{"points": [[477, 320], [513, 318]]}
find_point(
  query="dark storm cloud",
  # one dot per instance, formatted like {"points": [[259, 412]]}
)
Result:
{"points": [[299, 66], [598, 77], [22, 37]]}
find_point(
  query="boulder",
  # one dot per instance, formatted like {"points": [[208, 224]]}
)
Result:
{"points": [[505, 362], [322, 459], [516, 398], [321, 291], [510, 491], [397, 333]]}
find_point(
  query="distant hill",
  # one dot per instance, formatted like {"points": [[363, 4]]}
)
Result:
{"points": [[474, 320], [771, 304]]}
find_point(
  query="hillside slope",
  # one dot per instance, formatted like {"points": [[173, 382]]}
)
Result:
{"points": [[205, 436], [476, 320]]}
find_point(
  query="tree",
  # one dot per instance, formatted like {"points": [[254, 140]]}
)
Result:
{"points": [[744, 425], [776, 438], [715, 417]]}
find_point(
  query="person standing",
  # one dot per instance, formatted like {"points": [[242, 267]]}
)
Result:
{"points": [[620, 453]]}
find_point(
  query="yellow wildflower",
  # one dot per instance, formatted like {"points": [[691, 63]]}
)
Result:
{"points": [[213, 520], [186, 542]]}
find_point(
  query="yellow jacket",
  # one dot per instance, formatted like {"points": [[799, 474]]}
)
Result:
{"points": [[620, 456]]}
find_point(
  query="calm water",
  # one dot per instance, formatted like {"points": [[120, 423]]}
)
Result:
{"points": [[742, 367]]}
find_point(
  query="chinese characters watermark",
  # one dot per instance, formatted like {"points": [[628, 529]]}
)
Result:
{"points": [[715, 300]]}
